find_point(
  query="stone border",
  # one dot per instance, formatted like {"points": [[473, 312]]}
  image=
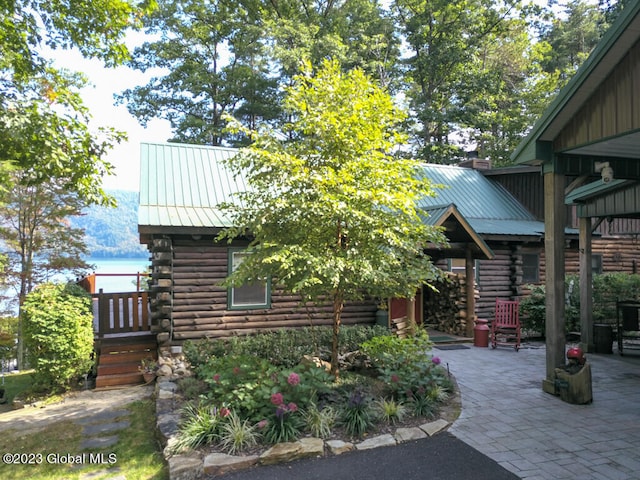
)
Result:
{"points": [[195, 466]]}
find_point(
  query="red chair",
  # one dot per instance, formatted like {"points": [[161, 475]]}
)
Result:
{"points": [[505, 328]]}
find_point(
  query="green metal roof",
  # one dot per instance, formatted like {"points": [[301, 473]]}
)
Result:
{"points": [[181, 185], [488, 207]]}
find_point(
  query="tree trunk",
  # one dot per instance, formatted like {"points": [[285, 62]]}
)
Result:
{"points": [[338, 305]]}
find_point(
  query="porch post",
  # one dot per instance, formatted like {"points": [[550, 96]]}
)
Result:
{"points": [[471, 293], [554, 224], [586, 286]]}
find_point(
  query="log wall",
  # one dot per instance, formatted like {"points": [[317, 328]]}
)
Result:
{"points": [[198, 307]]}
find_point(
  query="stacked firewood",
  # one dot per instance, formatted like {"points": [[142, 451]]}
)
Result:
{"points": [[445, 309]]}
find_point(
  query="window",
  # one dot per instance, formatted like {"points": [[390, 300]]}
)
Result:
{"points": [[530, 268], [596, 264], [248, 296]]}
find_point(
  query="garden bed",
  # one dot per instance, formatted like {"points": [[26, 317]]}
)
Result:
{"points": [[241, 405]]}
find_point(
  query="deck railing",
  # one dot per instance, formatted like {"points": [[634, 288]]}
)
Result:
{"points": [[121, 313]]}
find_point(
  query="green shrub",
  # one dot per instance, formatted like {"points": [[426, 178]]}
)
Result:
{"points": [[58, 334], [404, 364], [250, 384], [284, 347], [608, 288]]}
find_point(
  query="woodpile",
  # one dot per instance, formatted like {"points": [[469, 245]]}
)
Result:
{"points": [[445, 309]]}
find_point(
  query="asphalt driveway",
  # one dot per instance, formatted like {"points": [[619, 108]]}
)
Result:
{"points": [[441, 457]]}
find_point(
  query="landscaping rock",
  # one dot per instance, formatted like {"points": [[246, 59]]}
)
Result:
{"points": [[338, 447], [220, 463], [407, 434], [385, 440], [183, 467], [280, 453], [434, 427], [168, 425], [311, 447]]}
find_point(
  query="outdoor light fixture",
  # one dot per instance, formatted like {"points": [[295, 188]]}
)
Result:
{"points": [[605, 171]]}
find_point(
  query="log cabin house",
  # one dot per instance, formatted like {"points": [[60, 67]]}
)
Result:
{"points": [[494, 241]]}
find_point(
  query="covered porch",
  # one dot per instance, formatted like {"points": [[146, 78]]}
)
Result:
{"points": [[588, 144]]}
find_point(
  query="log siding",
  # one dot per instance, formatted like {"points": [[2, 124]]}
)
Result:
{"points": [[199, 307]]}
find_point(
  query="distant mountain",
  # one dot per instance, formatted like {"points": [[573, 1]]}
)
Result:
{"points": [[113, 232]]}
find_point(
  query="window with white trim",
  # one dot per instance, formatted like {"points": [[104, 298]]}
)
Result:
{"points": [[250, 295]]}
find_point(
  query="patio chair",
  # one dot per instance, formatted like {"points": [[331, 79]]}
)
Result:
{"points": [[505, 328]]}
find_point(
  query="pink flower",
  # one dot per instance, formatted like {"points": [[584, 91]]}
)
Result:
{"points": [[293, 379], [436, 360], [292, 407], [394, 378], [216, 378], [262, 424], [277, 399], [225, 412]]}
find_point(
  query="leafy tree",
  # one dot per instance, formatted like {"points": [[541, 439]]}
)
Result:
{"points": [[233, 57], [444, 38], [505, 91], [44, 131], [571, 37], [212, 63], [332, 213], [42, 121], [36, 236]]}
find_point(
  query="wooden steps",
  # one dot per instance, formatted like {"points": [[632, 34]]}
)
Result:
{"points": [[120, 357]]}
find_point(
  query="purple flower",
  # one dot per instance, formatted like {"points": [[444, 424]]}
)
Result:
{"points": [[293, 379], [436, 360], [281, 410], [277, 399]]}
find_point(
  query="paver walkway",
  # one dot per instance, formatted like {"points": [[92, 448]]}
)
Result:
{"points": [[75, 406], [507, 416]]}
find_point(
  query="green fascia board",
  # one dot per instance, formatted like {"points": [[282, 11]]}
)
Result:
{"points": [[594, 189], [527, 151]]}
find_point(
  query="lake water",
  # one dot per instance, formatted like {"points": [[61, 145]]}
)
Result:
{"points": [[130, 266]]}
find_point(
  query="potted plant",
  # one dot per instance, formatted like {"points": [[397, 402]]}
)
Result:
{"points": [[148, 367]]}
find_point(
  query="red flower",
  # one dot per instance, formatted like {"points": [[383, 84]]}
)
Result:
{"points": [[277, 399], [293, 379], [216, 378], [395, 378]]}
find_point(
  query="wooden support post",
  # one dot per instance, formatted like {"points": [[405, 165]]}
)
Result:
{"points": [[554, 225], [586, 287], [471, 293]]}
